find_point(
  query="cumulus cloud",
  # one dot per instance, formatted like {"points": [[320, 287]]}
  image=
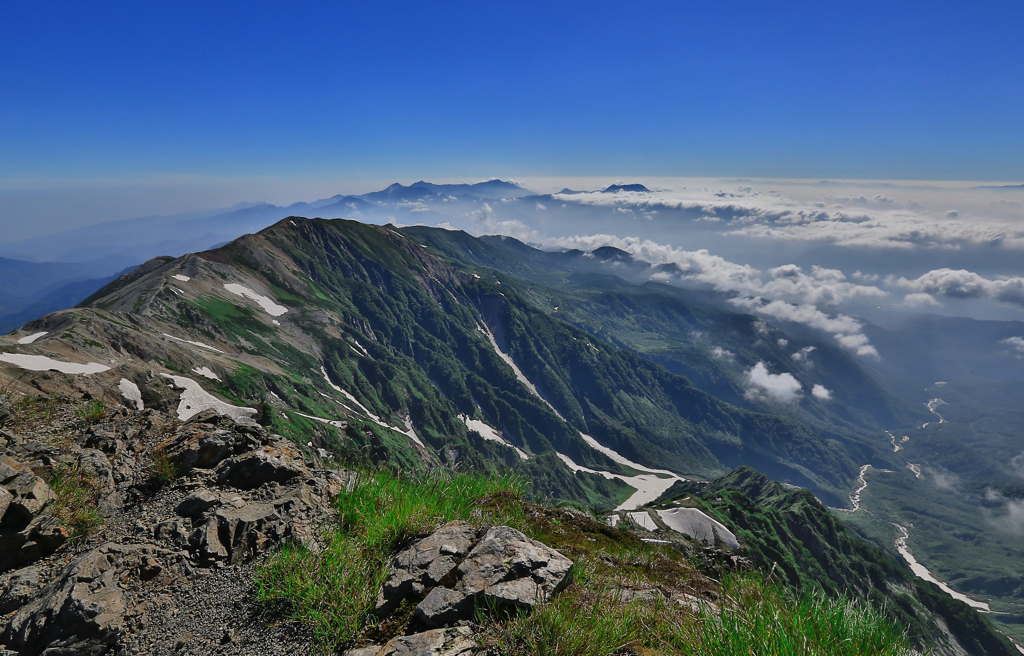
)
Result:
{"points": [[961, 283], [768, 386], [919, 299], [541, 207], [820, 392], [1012, 520], [720, 353], [803, 353], [1017, 464], [783, 341], [943, 480], [856, 221], [486, 221], [1016, 343]]}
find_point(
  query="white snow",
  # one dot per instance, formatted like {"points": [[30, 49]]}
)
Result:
{"points": [[336, 424], [914, 468], [275, 322], [206, 372], [922, 571], [644, 519], [612, 520], [408, 432], [131, 391], [268, 305], [194, 399], [199, 344], [32, 338], [622, 460], [519, 374], [648, 486], [489, 433], [692, 522], [361, 348], [43, 363], [180, 277]]}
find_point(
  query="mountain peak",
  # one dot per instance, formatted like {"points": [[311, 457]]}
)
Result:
{"points": [[636, 187]]}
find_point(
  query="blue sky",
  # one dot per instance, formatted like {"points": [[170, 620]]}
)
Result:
{"points": [[913, 90]]}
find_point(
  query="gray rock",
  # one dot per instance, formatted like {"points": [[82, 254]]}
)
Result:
{"points": [[5, 500], [436, 642], [425, 564], [251, 470], [6, 409], [16, 588], [200, 446], [504, 568], [10, 468], [87, 608], [31, 494], [197, 503]]}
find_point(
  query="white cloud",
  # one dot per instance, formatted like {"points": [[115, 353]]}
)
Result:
{"points": [[846, 330], [820, 392], [1013, 520], [783, 341], [1017, 464], [919, 299], [1014, 342], [856, 221], [943, 480], [960, 283], [541, 207], [858, 344], [803, 353], [720, 353], [776, 387]]}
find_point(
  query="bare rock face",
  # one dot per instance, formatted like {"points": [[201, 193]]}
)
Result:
{"points": [[502, 568], [425, 564], [6, 409], [456, 641], [240, 490], [90, 604]]}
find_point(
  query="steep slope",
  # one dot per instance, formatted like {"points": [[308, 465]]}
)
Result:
{"points": [[358, 336], [790, 533]]}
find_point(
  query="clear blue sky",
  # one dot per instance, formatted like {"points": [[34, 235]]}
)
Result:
{"points": [[908, 90]]}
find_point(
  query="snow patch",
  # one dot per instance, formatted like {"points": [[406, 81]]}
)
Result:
{"points": [[614, 455], [408, 432], [644, 519], [199, 344], [206, 372], [194, 399], [180, 277], [329, 422], [275, 322], [131, 391], [648, 486], [922, 571], [268, 305], [519, 374], [32, 338], [43, 363], [489, 433], [692, 522]]}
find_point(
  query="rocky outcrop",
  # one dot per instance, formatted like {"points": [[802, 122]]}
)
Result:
{"points": [[436, 642], [239, 491], [95, 599], [456, 569]]}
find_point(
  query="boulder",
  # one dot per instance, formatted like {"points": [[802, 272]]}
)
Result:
{"points": [[457, 571], [251, 470], [85, 610], [5, 501], [436, 642], [425, 564], [30, 495], [16, 588], [6, 409], [505, 568]]}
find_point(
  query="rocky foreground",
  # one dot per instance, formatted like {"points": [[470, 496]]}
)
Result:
{"points": [[130, 532]]}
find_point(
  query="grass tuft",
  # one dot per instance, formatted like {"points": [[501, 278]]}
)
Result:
{"points": [[93, 411], [163, 470], [77, 495], [334, 590]]}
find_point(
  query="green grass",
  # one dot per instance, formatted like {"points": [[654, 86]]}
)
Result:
{"points": [[335, 589], [92, 411], [75, 506], [163, 470], [760, 619]]}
